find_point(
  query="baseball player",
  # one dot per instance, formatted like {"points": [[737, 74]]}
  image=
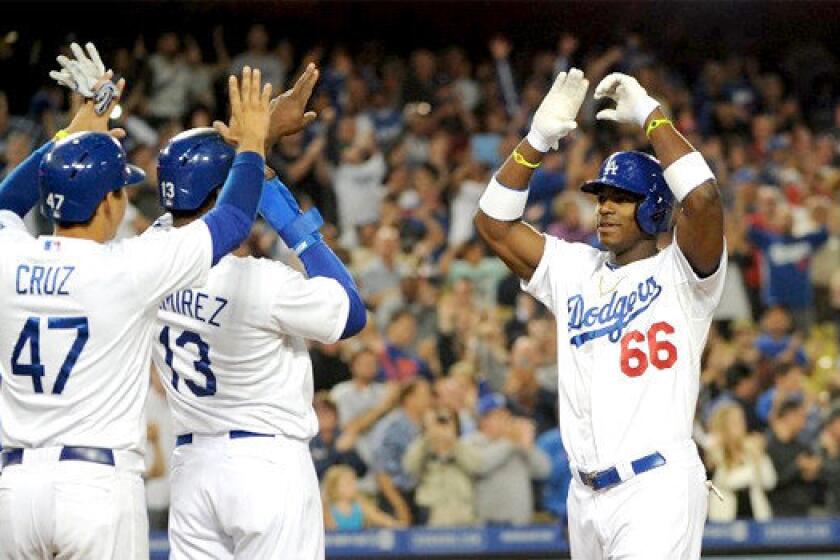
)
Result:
{"points": [[234, 362], [78, 316], [632, 321]]}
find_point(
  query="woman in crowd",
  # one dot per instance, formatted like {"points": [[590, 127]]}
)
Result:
{"points": [[742, 470]]}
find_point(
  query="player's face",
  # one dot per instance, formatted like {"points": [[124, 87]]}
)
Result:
{"points": [[617, 227]]}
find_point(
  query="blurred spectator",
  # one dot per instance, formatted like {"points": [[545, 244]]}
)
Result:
{"points": [[555, 488], [10, 124], [473, 263], [742, 470], [418, 294], [398, 360], [787, 258], [362, 401], [380, 279], [345, 509], [168, 81], [509, 463], [830, 454], [524, 395], [329, 446], [393, 435], [258, 56], [788, 383], [775, 343], [160, 442], [742, 389], [458, 392], [445, 467], [328, 367], [795, 463], [568, 224], [358, 178]]}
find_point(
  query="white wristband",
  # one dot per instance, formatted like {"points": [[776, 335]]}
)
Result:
{"points": [[686, 174], [502, 203], [538, 141], [644, 108]]}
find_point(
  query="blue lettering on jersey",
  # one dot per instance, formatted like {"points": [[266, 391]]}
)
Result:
{"points": [[194, 304], [610, 318], [223, 303], [43, 280]]}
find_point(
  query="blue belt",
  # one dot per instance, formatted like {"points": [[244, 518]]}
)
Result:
{"points": [[98, 455], [185, 439], [610, 477]]}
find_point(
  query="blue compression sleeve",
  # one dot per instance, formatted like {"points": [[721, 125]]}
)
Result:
{"points": [[277, 205], [319, 260], [19, 192], [231, 219]]}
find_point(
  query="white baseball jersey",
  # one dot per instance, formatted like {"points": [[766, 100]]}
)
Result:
{"points": [[629, 345], [77, 321], [232, 354]]}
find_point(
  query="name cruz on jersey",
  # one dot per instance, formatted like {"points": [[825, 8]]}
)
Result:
{"points": [[588, 323], [43, 280]]}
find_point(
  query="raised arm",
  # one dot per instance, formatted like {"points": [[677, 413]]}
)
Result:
{"points": [[499, 218], [19, 191], [231, 218], [699, 223]]}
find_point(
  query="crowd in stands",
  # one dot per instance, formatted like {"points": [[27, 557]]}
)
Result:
{"points": [[443, 410]]}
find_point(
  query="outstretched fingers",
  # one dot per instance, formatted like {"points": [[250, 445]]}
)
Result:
{"points": [[235, 98], [306, 83], [609, 85]]}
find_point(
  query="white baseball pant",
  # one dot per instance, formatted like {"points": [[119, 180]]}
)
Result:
{"points": [[73, 510], [656, 515], [254, 498]]}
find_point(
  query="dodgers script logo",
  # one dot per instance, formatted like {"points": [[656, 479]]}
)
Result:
{"points": [[610, 318]]}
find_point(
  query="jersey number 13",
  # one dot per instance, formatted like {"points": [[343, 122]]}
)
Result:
{"points": [[201, 365]]}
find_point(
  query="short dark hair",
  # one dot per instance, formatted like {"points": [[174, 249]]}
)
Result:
{"points": [[181, 216], [736, 373]]}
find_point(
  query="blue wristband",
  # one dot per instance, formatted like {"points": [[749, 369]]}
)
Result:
{"points": [[303, 232]]}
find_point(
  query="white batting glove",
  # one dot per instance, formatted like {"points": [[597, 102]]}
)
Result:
{"points": [[555, 117], [80, 74], [632, 103]]}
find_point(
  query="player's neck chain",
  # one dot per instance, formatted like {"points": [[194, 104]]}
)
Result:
{"points": [[610, 287]]}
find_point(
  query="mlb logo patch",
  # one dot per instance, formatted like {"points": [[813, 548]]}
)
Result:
{"points": [[52, 245]]}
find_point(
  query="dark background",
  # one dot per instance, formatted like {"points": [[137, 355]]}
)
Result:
{"points": [[702, 30]]}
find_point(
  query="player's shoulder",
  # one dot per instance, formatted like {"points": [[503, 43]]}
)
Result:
{"points": [[12, 226]]}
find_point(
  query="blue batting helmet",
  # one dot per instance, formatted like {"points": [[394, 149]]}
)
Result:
{"points": [[79, 171], [640, 174], [191, 166]]}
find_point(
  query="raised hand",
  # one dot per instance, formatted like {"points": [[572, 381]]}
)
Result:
{"points": [[89, 117], [249, 111], [83, 73], [555, 117], [632, 103], [288, 110], [87, 76]]}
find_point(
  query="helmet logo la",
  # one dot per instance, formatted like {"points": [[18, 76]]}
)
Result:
{"points": [[611, 168]]}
